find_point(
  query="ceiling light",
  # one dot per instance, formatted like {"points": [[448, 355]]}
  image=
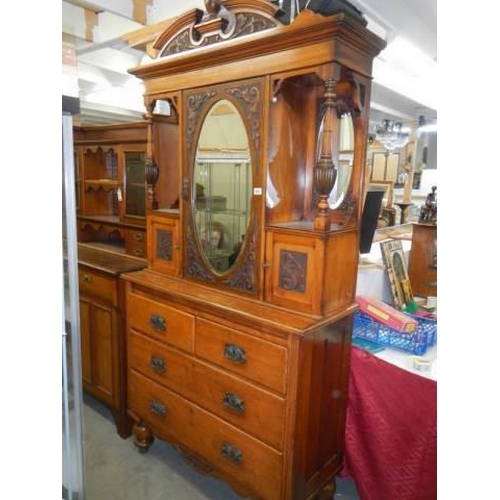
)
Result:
{"points": [[392, 135]]}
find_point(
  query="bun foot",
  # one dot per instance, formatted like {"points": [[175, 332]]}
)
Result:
{"points": [[143, 438]]}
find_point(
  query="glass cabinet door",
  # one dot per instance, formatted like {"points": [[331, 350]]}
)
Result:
{"points": [[135, 183], [222, 208]]}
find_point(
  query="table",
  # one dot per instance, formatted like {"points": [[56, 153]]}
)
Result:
{"points": [[391, 431]]}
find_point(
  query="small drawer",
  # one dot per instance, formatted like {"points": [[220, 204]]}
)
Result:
{"points": [[95, 283], [243, 354], [255, 410], [162, 322], [227, 449], [135, 243]]}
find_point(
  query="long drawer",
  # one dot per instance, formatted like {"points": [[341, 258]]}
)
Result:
{"points": [[243, 354], [224, 447], [255, 410], [162, 322]]}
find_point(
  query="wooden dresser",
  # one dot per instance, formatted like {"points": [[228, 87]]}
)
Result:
{"points": [[422, 267], [102, 327], [244, 389], [239, 329]]}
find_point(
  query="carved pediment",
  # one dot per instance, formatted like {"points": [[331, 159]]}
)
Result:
{"points": [[222, 20]]}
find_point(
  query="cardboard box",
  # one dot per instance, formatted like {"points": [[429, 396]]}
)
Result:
{"points": [[386, 314]]}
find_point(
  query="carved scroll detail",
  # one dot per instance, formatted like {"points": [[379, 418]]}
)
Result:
{"points": [[248, 96], [293, 271], [194, 265], [195, 104], [164, 244], [216, 25]]}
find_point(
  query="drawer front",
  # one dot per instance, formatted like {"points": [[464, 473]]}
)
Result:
{"points": [[222, 446], [92, 282], [162, 322], [135, 243], [250, 408], [243, 354]]}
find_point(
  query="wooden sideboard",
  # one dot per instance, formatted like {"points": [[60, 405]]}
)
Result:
{"points": [[422, 268], [102, 328], [239, 329]]}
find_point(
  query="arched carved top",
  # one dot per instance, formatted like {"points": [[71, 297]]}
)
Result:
{"points": [[223, 20]]}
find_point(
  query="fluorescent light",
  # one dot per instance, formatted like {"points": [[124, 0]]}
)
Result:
{"points": [[431, 127], [407, 70], [126, 97]]}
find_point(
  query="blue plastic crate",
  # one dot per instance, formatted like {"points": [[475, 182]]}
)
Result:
{"points": [[416, 342]]}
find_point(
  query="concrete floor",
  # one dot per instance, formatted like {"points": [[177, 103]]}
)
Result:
{"points": [[115, 470]]}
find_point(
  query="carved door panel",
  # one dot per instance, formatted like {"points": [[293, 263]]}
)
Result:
{"points": [[293, 271]]}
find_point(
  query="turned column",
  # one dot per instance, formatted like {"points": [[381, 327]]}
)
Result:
{"points": [[152, 171], [325, 171]]}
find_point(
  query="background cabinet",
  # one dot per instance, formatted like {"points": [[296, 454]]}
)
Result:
{"points": [[422, 267], [111, 182], [102, 328]]}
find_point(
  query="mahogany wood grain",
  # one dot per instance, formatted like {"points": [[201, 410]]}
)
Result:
{"points": [[163, 229], [231, 398], [162, 322], [230, 451], [264, 362], [422, 267]]}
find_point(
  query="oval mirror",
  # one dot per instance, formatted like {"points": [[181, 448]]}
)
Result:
{"points": [[343, 159], [222, 185]]}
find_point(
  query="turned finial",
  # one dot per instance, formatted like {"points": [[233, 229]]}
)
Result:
{"points": [[212, 7]]}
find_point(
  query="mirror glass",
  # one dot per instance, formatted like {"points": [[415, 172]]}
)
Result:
{"points": [[222, 183], [343, 158]]}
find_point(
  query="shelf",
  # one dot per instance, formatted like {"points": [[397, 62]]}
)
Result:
{"points": [[226, 211], [105, 184]]}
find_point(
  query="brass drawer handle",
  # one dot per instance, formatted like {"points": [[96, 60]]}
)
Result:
{"points": [[86, 278], [233, 402], [158, 364], [138, 252], [138, 236], [158, 322], [231, 453], [235, 353], [158, 408]]}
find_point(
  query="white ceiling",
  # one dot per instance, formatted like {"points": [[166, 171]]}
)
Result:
{"points": [[101, 32]]}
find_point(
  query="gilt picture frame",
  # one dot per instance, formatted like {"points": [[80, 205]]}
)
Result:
{"points": [[397, 271]]}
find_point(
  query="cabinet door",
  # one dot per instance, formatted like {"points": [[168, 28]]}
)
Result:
{"points": [[163, 244], [85, 308], [99, 345], [133, 202]]}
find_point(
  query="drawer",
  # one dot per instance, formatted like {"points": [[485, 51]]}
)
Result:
{"points": [[225, 448], [135, 243], [243, 354], [250, 408], [95, 283], [162, 322]]}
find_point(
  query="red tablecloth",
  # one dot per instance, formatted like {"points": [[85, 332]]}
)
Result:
{"points": [[391, 431]]}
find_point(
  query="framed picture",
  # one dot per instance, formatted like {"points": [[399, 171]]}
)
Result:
{"points": [[397, 272]]}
